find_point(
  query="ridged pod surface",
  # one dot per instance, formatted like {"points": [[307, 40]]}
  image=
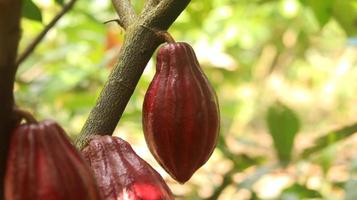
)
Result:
{"points": [[180, 112], [43, 165], [121, 174]]}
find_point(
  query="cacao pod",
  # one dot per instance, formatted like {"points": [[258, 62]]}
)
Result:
{"points": [[180, 112], [43, 165], [121, 174]]}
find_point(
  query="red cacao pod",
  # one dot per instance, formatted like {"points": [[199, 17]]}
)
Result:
{"points": [[121, 174], [43, 165], [180, 112]]}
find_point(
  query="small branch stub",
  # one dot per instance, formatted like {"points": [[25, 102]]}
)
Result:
{"points": [[125, 12], [120, 23]]}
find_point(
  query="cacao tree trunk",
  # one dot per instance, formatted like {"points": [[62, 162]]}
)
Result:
{"points": [[10, 14]]}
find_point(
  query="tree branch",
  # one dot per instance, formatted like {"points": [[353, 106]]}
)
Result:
{"points": [[330, 138], [164, 14], [125, 12], [10, 13], [227, 180], [43, 33], [138, 47], [149, 5]]}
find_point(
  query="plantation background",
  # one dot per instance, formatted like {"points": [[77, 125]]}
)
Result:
{"points": [[281, 68]]}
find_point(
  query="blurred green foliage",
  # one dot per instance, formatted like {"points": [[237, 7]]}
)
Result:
{"points": [[301, 53], [31, 11], [283, 125]]}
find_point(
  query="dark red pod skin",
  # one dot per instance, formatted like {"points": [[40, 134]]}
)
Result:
{"points": [[43, 165], [180, 112], [121, 174]]}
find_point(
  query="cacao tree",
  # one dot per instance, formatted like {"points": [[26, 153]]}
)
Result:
{"points": [[133, 58], [284, 72]]}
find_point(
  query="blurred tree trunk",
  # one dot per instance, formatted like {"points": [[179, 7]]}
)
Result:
{"points": [[10, 14]]}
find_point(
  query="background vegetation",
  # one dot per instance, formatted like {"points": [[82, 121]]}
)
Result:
{"points": [[284, 71]]}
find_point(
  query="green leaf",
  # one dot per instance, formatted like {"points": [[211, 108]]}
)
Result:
{"points": [[322, 9], [326, 158], [298, 192], [345, 12], [31, 11], [283, 125], [60, 2]]}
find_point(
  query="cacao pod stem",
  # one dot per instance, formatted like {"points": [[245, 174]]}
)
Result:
{"points": [[23, 114], [164, 35]]}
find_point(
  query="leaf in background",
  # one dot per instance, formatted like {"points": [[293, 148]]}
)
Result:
{"points": [[76, 100], [298, 192], [326, 158], [350, 189], [31, 11], [345, 12], [60, 2], [322, 9], [283, 125]]}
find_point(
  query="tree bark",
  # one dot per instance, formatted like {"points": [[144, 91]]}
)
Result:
{"points": [[10, 14]]}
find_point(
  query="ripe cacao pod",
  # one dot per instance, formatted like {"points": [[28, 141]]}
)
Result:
{"points": [[121, 174], [180, 112], [43, 165]]}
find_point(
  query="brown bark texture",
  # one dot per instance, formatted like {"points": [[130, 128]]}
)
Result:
{"points": [[10, 14]]}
